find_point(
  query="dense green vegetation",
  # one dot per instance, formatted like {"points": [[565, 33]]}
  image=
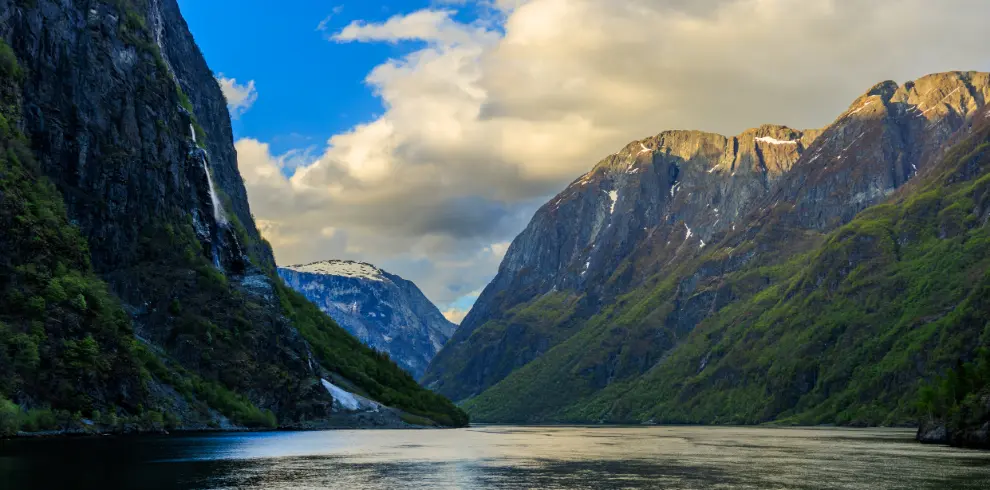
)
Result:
{"points": [[530, 328], [63, 337], [844, 331], [961, 398]]}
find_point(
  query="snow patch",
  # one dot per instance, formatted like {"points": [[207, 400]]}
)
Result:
{"points": [[688, 235], [940, 101], [674, 189], [860, 109], [614, 196], [644, 149], [702, 244], [347, 400], [774, 141], [342, 268]]}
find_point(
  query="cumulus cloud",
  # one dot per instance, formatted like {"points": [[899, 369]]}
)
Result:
{"points": [[455, 316], [485, 120], [240, 97]]}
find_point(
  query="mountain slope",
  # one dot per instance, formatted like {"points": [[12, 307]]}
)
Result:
{"points": [[122, 116], [699, 235], [385, 311], [901, 292], [844, 334]]}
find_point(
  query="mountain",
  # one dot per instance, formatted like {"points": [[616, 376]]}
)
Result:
{"points": [[135, 290], [385, 311], [698, 278]]}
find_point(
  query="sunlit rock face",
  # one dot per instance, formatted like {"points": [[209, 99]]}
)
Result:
{"points": [[662, 201], [385, 311]]}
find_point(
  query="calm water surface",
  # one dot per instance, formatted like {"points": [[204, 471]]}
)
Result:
{"points": [[499, 457]]}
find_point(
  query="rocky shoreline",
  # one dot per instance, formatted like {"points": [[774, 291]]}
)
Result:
{"points": [[937, 432], [139, 431]]}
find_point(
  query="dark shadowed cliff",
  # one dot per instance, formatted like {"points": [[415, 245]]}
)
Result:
{"points": [[130, 144]]}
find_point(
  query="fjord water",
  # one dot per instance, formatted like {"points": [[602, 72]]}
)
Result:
{"points": [[499, 457]]}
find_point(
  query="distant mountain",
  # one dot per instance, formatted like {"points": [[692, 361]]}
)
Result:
{"points": [[385, 311], [698, 278]]}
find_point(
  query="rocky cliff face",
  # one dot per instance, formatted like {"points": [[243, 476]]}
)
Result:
{"points": [[113, 93], [126, 119], [614, 272], [385, 311], [128, 122]]}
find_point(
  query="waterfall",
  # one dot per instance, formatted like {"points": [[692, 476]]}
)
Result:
{"points": [[218, 214]]}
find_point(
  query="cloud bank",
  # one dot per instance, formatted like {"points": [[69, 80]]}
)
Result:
{"points": [[484, 120]]}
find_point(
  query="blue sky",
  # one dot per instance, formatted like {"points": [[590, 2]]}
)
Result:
{"points": [[310, 88], [421, 135]]}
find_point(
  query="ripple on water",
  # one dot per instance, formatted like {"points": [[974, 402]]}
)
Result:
{"points": [[501, 457]]}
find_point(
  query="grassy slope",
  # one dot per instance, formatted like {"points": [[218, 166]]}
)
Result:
{"points": [[529, 328], [844, 333]]}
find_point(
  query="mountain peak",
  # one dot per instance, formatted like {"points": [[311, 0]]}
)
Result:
{"points": [[931, 97], [342, 268], [384, 311]]}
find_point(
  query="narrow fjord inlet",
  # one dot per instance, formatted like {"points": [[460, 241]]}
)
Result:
{"points": [[719, 307]]}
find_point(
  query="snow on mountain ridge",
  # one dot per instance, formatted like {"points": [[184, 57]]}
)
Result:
{"points": [[384, 311], [342, 268]]}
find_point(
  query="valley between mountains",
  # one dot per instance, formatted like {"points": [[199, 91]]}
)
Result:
{"points": [[838, 275]]}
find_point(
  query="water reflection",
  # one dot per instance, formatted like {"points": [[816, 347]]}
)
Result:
{"points": [[499, 457]]}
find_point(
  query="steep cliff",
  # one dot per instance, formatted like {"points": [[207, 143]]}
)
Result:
{"points": [[385, 311], [615, 273], [123, 116]]}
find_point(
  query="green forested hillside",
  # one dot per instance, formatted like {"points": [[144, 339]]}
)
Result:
{"points": [[63, 338], [955, 408], [206, 346], [843, 328]]}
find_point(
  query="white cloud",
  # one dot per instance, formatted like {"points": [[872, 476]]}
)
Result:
{"points": [[240, 97], [455, 316], [499, 249], [485, 120], [423, 25]]}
